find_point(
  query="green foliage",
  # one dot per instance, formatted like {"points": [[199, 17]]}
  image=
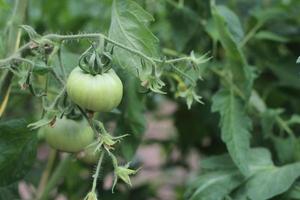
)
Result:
{"points": [[235, 127], [249, 87], [18, 147], [265, 180], [128, 26]]}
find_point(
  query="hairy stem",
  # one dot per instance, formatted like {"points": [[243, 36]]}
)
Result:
{"points": [[60, 38], [95, 176]]}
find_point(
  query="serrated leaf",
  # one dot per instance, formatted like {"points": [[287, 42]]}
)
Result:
{"points": [[18, 148], [139, 12], [233, 23], [229, 37], [273, 181], [128, 28], [214, 185], [235, 127]]}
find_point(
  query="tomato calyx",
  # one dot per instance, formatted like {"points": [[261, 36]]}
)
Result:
{"points": [[107, 141], [96, 59]]}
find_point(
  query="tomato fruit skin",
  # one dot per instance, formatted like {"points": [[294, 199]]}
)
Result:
{"points": [[89, 155], [68, 135], [99, 93]]}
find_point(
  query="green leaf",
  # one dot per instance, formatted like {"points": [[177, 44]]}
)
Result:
{"points": [[18, 148], [258, 158], [219, 162], [273, 181], [230, 33], [139, 12], [266, 35], [185, 25], [233, 24], [132, 121], [235, 127], [214, 186], [298, 60], [268, 121], [128, 28], [287, 149]]}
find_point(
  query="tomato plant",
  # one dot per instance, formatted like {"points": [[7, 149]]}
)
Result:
{"points": [[175, 99]]}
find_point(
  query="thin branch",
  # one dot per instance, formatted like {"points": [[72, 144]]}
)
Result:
{"points": [[60, 38], [96, 175]]}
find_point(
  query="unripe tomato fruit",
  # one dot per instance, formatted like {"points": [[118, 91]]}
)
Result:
{"points": [[68, 135], [99, 93], [88, 155]]}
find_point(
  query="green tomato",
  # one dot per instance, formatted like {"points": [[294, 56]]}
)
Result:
{"points": [[68, 135], [89, 155], [99, 93]]}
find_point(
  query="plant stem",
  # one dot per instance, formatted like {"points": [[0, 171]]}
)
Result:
{"points": [[98, 35], [46, 173], [95, 176], [251, 33], [59, 38], [90, 121], [59, 173]]}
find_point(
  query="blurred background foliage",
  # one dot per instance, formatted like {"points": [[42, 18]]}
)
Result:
{"points": [[171, 139]]}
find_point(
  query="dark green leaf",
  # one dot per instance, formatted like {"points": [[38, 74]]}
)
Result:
{"points": [[288, 149], [235, 127], [128, 28], [214, 185], [229, 37], [18, 148], [268, 120], [273, 181]]}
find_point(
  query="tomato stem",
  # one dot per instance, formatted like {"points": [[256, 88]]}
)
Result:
{"points": [[95, 176]]}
